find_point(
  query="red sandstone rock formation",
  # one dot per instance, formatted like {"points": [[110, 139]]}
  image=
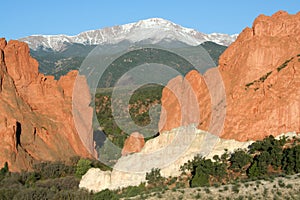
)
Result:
{"points": [[182, 106], [36, 111], [134, 143], [261, 77]]}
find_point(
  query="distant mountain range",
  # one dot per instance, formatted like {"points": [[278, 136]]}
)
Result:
{"points": [[154, 30], [58, 54]]}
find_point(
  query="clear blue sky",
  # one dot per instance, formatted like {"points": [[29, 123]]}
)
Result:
{"points": [[27, 17]]}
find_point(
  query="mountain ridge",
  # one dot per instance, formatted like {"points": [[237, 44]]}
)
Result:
{"points": [[155, 29]]}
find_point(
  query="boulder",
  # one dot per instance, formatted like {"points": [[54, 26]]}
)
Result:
{"points": [[134, 143]]}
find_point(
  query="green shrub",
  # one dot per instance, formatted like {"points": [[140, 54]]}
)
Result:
{"points": [[216, 185], [132, 191], [281, 184], [198, 196], [202, 169], [172, 180], [83, 166], [239, 159], [207, 190], [200, 179], [5, 169], [279, 193], [105, 195], [258, 182], [290, 163], [32, 178], [284, 64], [154, 178]]}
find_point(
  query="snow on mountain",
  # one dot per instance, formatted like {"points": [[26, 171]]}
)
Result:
{"points": [[153, 30]]}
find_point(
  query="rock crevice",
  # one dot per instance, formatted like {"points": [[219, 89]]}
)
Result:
{"points": [[37, 123]]}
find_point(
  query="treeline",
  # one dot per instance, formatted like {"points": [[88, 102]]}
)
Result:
{"points": [[262, 159]]}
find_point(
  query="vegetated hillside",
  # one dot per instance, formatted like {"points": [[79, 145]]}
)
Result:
{"points": [[214, 50], [267, 169], [140, 103], [58, 63], [47, 180], [135, 58]]}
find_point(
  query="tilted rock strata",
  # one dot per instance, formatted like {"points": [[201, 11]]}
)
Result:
{"points": [[36, 111], [260, 72]]}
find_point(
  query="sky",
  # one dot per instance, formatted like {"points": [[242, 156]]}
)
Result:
{"points": [[28, 17]]}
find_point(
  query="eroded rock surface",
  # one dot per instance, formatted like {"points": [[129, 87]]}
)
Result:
{"points": [[36, 111], [258, 93], [134, 143], [168, 152]]}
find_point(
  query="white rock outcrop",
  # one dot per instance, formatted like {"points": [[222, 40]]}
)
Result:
{"points": [[168, 151]]}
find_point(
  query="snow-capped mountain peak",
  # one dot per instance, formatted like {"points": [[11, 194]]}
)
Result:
{"points": [[153, 30]]}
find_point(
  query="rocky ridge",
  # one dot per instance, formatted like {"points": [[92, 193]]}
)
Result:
{"points": [[37, 123], [253, 93]]}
